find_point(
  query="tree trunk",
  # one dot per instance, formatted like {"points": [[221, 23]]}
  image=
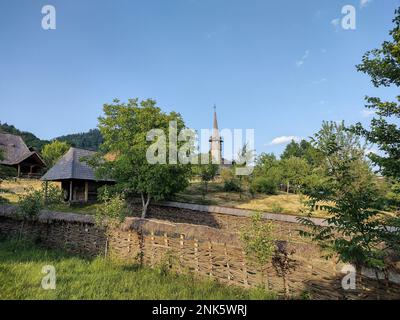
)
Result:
{"points": [[145, 204], [288, 187]]}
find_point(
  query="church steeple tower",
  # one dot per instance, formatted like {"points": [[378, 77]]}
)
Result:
{"points": [[216, 142]]}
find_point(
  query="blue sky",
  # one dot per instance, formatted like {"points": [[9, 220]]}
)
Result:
{"points": [[280, 67]]}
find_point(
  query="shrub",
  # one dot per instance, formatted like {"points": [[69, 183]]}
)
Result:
{"points": [[258, 242], [54, 195], [30, 204], [231, 186], [112, 210], [264, 185], [277, 208]]}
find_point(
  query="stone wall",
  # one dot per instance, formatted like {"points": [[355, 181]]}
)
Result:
{"points": [[208, 246]]}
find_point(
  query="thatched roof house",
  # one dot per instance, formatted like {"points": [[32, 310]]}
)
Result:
{"points": [[17, 154], [77, 178]]}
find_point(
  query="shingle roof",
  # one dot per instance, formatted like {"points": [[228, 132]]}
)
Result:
{"points": [[14, 149], [72, 166]]}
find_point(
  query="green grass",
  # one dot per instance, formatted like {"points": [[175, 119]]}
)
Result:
{"points": [[80, 278]]}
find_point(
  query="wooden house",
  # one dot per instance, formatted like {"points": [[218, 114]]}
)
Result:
{"points": [[16, 154], [77, 178]]}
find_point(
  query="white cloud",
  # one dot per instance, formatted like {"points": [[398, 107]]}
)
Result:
{"points": [[322, 80], [303, 59], [367, 113], [364, 3], [284, 140]]}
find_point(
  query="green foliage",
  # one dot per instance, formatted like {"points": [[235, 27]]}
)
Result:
{"points": [[304, 150], [53, 151], [207, 173], [356, 232], [124, 128], [30, 204], [294, 172], [266, 185], [32, 201], [90, 140], [112, 211], [257, 239], [53, 196], [383, 66], [229, 180]]}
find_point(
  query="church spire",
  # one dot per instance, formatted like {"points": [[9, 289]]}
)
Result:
{"points": [[215, 124], [216, 141]]}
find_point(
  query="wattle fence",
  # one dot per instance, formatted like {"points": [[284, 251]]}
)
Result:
{"points": [[208, 252]]}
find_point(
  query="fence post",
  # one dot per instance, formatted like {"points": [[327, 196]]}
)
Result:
{"points": [[210, 250], [196, 254], [228, 267], [181, 243], [244, 265], [152, 249]]}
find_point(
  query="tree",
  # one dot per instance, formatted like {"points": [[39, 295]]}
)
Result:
{"points": [[207, 172], [383, 66], [258, 241], [125, 128], [53, 151], [356, 231], [244, 157], [304, 150], [294, 170]]}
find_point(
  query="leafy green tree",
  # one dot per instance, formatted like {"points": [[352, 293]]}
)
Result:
{"points": [[207, 173], [304, 150], [383, 66], [125, 128], [53, 151], [356, 231], [267, 174], [258, 242], [294, 170]]}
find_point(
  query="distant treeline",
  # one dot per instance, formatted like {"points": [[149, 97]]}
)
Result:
{"points": [[29, 138], [87, 140], [90, 140]]}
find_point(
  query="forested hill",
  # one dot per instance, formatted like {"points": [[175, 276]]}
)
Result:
{"points": [[30, 139], [85, 140]]}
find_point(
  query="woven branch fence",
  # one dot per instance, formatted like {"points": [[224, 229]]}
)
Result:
{"points": [[204, 251]]}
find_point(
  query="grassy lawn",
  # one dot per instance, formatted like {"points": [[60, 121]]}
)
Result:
{"points": [[279, 203], [80, 278]]}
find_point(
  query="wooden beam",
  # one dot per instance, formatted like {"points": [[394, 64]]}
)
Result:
{"points": [[70, 191], [86, 191]]}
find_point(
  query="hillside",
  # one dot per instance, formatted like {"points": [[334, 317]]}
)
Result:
{"points": [[30, 139], [86, 140]]}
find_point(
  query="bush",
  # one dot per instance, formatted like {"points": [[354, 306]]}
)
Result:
{"points": [[30, 204], [113, 209], [54, 195], [264, 185], [231, 186]]}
